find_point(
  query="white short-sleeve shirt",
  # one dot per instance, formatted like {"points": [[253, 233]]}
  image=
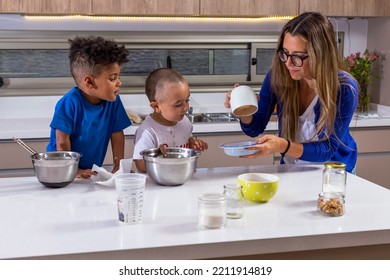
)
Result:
{"points": [[151, 134]]}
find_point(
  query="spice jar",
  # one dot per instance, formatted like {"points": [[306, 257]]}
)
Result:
{"points": [[331, 204], [334, 178], [212, 210]]}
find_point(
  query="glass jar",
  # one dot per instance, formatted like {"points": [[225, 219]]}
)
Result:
{"points": [[331, 204], [235, 201], [212, 210], [334, 178]]}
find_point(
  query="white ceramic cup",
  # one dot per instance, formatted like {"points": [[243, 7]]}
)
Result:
{"points": [[243, 101], [130, 189]]}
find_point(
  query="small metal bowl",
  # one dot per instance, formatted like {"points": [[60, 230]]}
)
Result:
{"points": [[56, 169], [172, 170]]}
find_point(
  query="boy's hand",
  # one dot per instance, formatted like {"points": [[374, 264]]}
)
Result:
{"points": [[163, 150], [85, 173], [115, 168], [199, 145]]}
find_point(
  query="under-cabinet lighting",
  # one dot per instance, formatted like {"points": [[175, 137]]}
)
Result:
{"points": [[156, 18]]}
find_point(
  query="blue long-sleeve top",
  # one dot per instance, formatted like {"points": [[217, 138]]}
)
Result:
{"points": [[339, 147]]}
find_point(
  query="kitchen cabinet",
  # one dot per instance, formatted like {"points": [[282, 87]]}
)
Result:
{"points": [[46, 6], [228, 8], [344, 8], [372, 164], [9, 6], [215, 156], [374, 154], [146, 7], [55, 6], [248, 8], [18, 161]]}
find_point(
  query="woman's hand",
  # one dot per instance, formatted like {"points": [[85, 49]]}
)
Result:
{"points": [[266, 145], [228, 95], [246, 119]]}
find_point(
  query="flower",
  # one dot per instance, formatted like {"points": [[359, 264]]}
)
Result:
{"points": [[360, 68]]}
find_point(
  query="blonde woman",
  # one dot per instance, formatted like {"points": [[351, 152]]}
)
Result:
{"points": [[315, 97]]}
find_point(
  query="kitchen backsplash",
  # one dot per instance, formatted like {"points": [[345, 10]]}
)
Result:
{"points": [[34, 63], [43, 106]]}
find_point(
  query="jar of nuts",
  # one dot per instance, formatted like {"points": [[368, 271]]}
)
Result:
{"points": [[331, 204]]}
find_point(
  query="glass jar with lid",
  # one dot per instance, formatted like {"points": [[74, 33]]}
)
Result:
{"points": [[212, 210], [334, 178], [331, 204]]}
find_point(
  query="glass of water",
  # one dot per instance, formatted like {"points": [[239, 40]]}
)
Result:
{"points": [[235, 201]]}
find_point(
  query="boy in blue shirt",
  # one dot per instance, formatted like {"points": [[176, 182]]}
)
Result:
{"points": [[91, 114]]}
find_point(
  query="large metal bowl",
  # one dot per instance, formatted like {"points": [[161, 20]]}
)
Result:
{"points": [[56, 169], [172, 170]]}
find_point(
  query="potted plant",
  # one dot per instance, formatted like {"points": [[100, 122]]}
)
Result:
{"points": [[360, 68]]}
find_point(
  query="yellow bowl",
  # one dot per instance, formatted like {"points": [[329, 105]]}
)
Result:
{"points": [[258, 187]]}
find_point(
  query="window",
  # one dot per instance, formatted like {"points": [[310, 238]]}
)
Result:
{"points": [[37, 62], [34, 63]]}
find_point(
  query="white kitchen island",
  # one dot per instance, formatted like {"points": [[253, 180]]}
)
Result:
{"points": [[80, 221]]}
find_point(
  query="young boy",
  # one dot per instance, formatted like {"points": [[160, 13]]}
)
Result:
{"points": [[168, 126], [91, 114]]}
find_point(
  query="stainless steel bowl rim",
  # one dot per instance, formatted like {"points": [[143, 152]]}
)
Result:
{"points": [[56, 169], [68, 155], [154, 154], [170, 171], [169, 161]]}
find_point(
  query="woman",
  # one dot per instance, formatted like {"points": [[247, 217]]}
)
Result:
{"points": [[315, 97]]}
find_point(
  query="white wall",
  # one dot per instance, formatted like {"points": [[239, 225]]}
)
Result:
{"points": [[378, 39], [355, 33]]}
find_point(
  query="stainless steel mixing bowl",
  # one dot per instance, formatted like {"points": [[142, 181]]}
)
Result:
{"points": [[172, 170], [56, 169]]}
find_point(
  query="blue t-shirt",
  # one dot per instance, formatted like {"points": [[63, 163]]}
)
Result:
{"points": [[90, 126], [339, 147]]}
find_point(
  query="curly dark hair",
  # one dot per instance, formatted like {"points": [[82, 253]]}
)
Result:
{"points": [[89, 55]]}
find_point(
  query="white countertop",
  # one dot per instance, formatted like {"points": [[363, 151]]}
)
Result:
{"points": [[30, 117], [80, 220], [38, 127], [30, 128]]}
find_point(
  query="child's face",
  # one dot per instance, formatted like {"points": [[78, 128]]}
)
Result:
{"points": [[174, 103], [106, 85]]}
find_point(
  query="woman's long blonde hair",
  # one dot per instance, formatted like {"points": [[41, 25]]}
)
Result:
{"points": [[325, 64]]}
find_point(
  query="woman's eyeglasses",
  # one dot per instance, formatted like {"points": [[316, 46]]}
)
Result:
{"points": [[297, 60]]}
